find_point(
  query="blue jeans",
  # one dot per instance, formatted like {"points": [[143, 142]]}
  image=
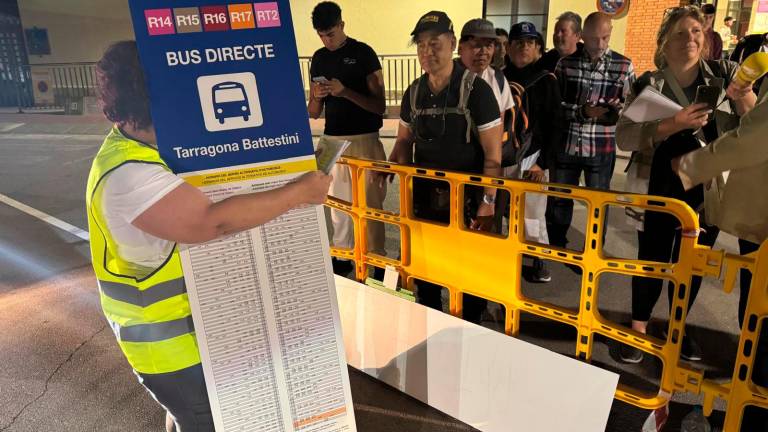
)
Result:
{"points": [[598, 171]]}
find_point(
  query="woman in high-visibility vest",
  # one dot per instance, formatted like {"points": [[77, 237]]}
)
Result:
{"points": [[138, 211]]}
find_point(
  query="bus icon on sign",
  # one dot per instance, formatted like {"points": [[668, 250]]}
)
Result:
{"points": [[229, 101]]}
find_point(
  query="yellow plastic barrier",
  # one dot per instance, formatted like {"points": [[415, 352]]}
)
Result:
{"points": [[441, 254], [741, 391]]}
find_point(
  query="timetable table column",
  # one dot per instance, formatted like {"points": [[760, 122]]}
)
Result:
{"points": [[235, 330], [304, 319]]}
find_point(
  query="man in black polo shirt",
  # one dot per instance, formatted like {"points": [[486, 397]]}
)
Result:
{"points": [[436, 136], [347, 82]]}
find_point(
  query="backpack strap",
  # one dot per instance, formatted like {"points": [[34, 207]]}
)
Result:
{"points": [[721, 79], [501, 80], [670, 80], [415, 112], [467, 83], [541, 74], [538, 77], [518, 93]]}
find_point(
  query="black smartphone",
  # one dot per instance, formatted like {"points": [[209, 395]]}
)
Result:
{"points": [[709, 95]]}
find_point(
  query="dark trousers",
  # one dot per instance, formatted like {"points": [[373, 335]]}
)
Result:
{"points": [[598, 171], [429, 295], [754, 419], [431, 201], [660, 241], [184, 395]]}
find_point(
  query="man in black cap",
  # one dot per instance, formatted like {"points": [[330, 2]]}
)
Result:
{"points": [[477, 47], [449, 120], [541, 103]]}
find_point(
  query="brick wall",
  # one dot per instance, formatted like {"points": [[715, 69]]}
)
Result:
{"points": [[643, 23]]}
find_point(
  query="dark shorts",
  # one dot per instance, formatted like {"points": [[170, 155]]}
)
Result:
{"points": [[184, 395]]}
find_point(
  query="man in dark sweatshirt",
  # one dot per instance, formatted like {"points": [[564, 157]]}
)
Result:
{"points": [[540, 101]]}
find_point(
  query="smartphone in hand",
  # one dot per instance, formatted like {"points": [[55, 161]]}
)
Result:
{"points": [[709, 95], [320, 80]]}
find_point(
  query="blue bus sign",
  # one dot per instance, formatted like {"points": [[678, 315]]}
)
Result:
{"points": [[222, 77]]}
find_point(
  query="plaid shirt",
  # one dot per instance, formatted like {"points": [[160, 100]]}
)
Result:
{"points": [[582, 82]]}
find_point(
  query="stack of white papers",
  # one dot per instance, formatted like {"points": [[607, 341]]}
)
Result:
{"points": [[651, 105]]}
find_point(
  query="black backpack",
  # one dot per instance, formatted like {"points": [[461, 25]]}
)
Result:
{"points": [[517, 131], [467, 82]]}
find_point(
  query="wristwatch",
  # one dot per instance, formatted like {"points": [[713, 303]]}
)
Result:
{"points": [[489, 199]]}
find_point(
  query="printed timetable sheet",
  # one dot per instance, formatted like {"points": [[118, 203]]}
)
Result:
{"points": [[228, 110], [266, 317]]}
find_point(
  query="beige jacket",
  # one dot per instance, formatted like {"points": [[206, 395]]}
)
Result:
{"points": [[743, 208], [638, 138]]}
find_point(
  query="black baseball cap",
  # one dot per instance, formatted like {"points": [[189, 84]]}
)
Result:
{"points": [[523, 30], [435, 21]]}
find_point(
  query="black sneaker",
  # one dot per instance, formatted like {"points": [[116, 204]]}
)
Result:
{"points": [[540, 273], [342, 267], [630, 354], [690, 350]]}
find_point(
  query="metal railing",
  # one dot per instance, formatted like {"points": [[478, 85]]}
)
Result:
{"points": [[66, 83], [71, 82], [399, 71]]}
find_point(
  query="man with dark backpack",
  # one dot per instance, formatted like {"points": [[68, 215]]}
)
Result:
{"points": [[449, 120], [477, 46], [537, 129]]}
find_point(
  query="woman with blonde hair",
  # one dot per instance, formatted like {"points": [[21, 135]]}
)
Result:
{"points": [[680, 57]]}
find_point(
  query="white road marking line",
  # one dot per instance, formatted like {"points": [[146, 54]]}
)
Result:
{"points": [[53, 137], [5, 127], [79, 160], [58, 223]]}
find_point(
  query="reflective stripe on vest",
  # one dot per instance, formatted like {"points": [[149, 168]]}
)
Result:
{"points": [[149, 314], [127, 293], [153, 332]]}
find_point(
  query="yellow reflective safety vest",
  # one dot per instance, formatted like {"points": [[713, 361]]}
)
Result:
{"points": [[149, 314]]}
